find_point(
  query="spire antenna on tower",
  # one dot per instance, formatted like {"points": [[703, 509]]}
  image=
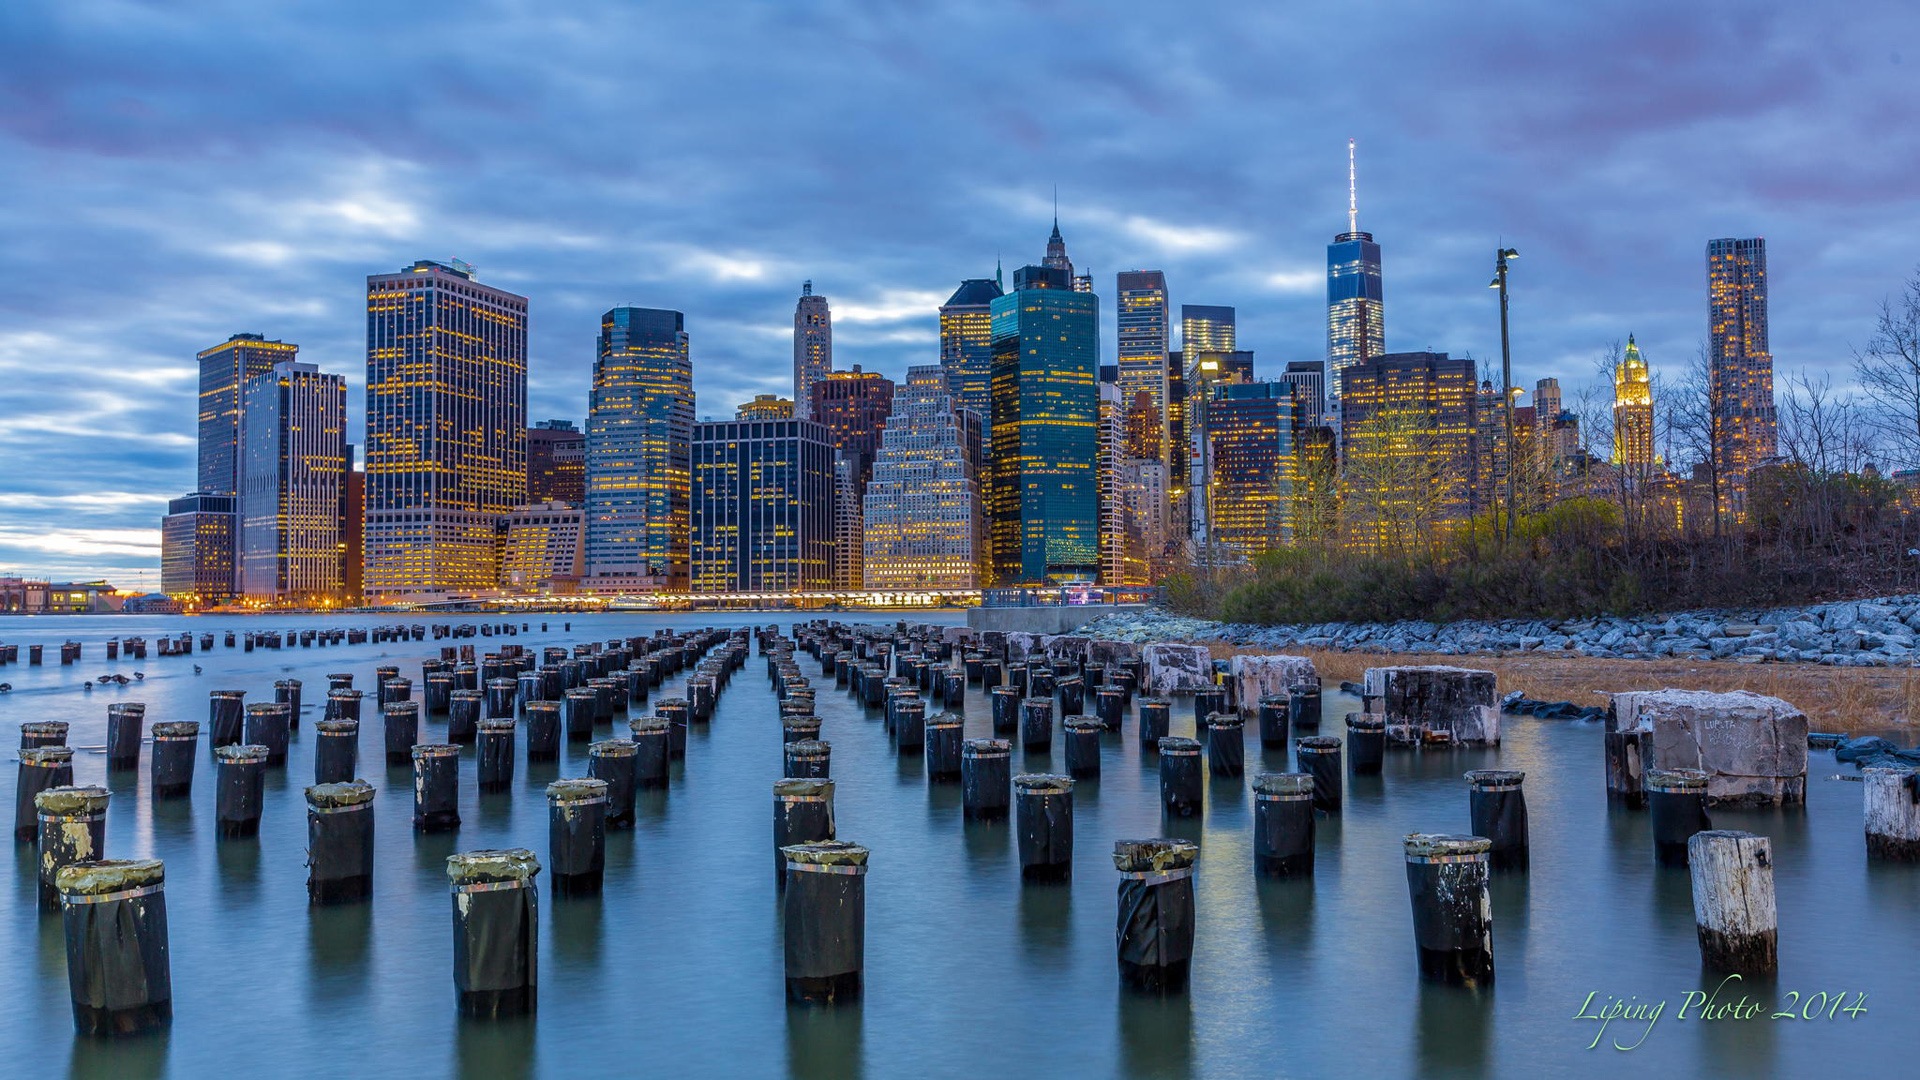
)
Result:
{"points": [[1353, 196]]}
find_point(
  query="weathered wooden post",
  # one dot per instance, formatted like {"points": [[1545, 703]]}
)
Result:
{"points": [[1447, 879], [115, 920], [1283, 824], [1497, 810], [1154, 930], [1893, 814], [824, 910], [496, 931], [1733, 905]]}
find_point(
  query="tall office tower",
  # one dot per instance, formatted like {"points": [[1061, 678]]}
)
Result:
{"points": [[223, 369], [1251, 428], [922, 517], [762, 506], [1144, 426], [1205, 371], [1043, 499], [1409, 454], [1309, 379], [765, 407], [556, 462], [1207, 328], [1056, 257], [1633, 415], [446, 440], [1123, 552], [197, 549], [293, 471], [849, 528], [1145, 489], [1145, 339], [1356, 317], [812, 347], [639, 453], [543, 548], [353, 517], [966, 343], [1742, 366], [854, 406]]}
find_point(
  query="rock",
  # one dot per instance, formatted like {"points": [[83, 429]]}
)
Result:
{"points": [[1460, 701], [1256, 677], [1065, 647], [1176, 669], [1752, 748]]}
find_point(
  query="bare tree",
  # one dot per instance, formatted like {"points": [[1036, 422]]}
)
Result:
{"points": [[1697, 427], [1888, 371]]}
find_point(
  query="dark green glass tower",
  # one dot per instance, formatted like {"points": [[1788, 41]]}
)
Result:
{"points": [[1043, 496]]}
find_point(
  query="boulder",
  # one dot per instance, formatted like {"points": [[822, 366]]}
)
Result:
{"points": [[1753, 748], [1435, 697], [1102, 651], [1020, 645], [1255, 677], [1065, 647], [1176, 669]]}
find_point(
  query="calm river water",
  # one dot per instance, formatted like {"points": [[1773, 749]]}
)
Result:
{"points": [[676, 970]]}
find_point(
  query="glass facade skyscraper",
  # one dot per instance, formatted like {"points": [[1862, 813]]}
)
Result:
{"points": [[223, 369], [1250, 428], [446, 442], [1742, 363], [639, 448], [197, 549], [293, 474], [1409, 447], [1043, 500], [966, 344], [762, 506], [1356, 327], [854, 406]]}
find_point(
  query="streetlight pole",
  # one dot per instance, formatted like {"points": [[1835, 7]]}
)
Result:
{"points": [[1506, 372]]}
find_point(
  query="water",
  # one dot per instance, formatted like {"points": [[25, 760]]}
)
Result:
{"points": [[677, 969]]}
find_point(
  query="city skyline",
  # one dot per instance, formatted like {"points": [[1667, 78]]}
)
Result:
{"points": [[1703, 149]]}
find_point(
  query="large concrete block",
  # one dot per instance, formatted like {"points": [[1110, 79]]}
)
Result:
{"points": [[1255, 677], [1176, 669], [1102, 651], [1065, 647], [1021, 645], [1435, 697], [1753, 748]]}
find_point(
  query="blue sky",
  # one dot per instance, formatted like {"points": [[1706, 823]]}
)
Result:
{"points": [[178, 172]]}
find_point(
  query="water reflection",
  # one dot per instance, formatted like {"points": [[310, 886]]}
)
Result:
{"points": [[1156, 1035], [1046, 918], [496, 1048], [339, 947], [1454, 1028], [238, 859], [825, 1043], [577, 938], [123, 1059], [988, 843], [1286, 913]]}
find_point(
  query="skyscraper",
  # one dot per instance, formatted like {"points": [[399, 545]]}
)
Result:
{"points": [[922, 515], [446, 428], [1043, 505], [966, 343], [1205, 371], [1742, 365], [1356, 316], [762, 506], [543, 548], [1145, 340], [556, 462], [1309, 379], [854, 407], [812, 347], [1206, 328], [293, 471], [1409, 453], [1251, 428], [223, 369], [197, 549], [639, 453], [765, 407], [1633, 415]]}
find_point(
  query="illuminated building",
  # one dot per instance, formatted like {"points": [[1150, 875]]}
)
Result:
{"points": [[765, 407], [353, 516], [922, 523], [1250, 433], [197, 549], [854, 406], [639, 447], [1741, 365], [293, 474], [1145, 339], [556, 462], [1043, 498], [1356, 316], [812, 347], [1633, 414], [1309, 379], [1207, 370], [446, 441], [966, 343], [1206, 328], [223, 369], [1409, 465], [1125, 557], [762, 506], [849, 527], [543, 547]]}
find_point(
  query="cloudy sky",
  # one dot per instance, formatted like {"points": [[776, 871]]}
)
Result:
{"points": [[175, 172]]}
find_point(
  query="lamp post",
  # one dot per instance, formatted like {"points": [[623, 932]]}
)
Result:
{"points": [[1506, 369]]}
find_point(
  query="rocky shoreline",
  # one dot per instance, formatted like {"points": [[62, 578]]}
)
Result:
{"points": [[1855, 633]]}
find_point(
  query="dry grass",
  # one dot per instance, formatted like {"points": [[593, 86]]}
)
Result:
{"points": [[1834, 699]]}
